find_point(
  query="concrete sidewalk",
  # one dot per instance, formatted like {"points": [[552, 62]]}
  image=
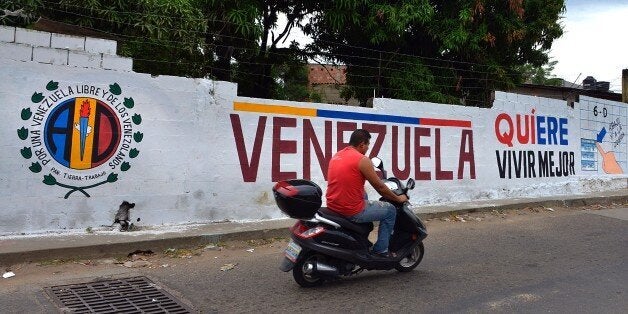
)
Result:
{"points": [[98, 244]]}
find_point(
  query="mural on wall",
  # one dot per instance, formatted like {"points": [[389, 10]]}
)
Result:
{"points": [[412, 141], [536, 146], [79, 136], [603, 142]]}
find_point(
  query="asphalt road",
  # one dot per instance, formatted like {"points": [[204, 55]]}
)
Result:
{"points": [[530, 260]]}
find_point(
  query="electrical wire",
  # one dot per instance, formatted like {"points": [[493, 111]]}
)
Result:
{"points": [[139, 39], [136, 39], [394, 54]]}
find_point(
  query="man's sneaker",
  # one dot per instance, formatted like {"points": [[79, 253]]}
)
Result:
{"points": [[385, 254]]}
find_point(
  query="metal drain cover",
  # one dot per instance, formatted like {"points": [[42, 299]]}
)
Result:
{"points": [[126, 295]]}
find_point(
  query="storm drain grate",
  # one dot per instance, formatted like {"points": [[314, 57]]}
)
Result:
{"points": [[126, 295]]}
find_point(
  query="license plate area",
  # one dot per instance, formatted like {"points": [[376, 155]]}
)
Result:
{"points": [[292, 251]]}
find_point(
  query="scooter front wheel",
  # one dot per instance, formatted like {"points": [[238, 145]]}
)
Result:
{"points": [[304, 271], [412, 260]]}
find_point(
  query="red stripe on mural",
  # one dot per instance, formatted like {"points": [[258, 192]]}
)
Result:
{"points": [[105, 135], [445, 122]]}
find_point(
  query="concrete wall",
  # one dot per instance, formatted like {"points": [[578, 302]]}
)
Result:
{"points": [[77, 140], [456, 153], [58, 49]]}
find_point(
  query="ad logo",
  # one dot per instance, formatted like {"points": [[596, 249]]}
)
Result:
{"points": [[80, 135]]}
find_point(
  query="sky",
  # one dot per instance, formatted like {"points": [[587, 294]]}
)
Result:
{"points": [[594, 42]]}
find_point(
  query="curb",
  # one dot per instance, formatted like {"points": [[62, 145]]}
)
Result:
{"points": [[573, 202], [122, 249]]}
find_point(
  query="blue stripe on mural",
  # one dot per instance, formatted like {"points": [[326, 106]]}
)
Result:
{"points": [[365, 117]]}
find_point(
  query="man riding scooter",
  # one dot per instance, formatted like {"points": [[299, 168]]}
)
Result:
{"points": [[348, 170]]}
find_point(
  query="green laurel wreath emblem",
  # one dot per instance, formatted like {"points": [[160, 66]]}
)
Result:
{"points": [[50, 179]]}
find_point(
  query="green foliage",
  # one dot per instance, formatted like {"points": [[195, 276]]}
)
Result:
{"points": [[49, 179], [540, 75], [52, 85], [112, 177], [247, 38], [26, 113], [292, 82], [315, 97], [466, 48], [137, 119], [37, 97], [138, 136], [22, 133], [430, 50], [19, 13], [162, 36], [26, 152], [115, 89], [134, 152], [129, 102], [35, 167], [291, 76], [417, 82], [125, 166]]}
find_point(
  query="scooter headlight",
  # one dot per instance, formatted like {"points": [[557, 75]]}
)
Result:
{"points": [[391, 185]]}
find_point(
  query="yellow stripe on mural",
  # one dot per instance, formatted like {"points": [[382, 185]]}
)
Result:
{"points": [[276, 109], [81, 155]]}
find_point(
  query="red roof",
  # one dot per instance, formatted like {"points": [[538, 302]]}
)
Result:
{"points": [[326, 74]]}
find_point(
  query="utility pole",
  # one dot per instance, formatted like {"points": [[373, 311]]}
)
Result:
{"points": [[624, 85]]}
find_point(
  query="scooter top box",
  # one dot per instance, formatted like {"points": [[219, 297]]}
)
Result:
{"points": [[299, 199]]}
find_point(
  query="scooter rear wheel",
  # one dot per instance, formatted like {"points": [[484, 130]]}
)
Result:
{"points": [[303, 271], [412, 260]]}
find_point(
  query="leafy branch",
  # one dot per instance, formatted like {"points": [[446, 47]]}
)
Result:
{"points": [[51, 180]]}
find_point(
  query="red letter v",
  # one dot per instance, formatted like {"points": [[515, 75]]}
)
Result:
{"points": [[249, 170]]}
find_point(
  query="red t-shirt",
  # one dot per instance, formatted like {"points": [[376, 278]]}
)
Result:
{"points": [[345, 185]]}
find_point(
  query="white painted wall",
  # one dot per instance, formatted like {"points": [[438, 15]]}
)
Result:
{"points": [[488, 183], [191, 167]]}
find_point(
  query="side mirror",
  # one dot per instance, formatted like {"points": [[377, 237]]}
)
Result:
{"points": [[410, 184], [377, 163]]}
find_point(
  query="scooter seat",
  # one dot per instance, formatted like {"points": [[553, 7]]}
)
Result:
{"points": [[361, 228]]}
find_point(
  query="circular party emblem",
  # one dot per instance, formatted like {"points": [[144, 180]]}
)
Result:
{"points": [[80, 136]]}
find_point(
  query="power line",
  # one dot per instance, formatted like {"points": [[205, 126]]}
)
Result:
{"points": [[175, 44], [143, 40], [254, 41]]}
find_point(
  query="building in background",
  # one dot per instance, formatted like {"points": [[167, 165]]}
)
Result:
{"points": [[569, 91], [327, 81]]}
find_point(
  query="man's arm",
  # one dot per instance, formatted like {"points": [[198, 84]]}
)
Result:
{"points": [[366, 167]]}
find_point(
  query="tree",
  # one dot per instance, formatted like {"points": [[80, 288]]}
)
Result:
{"points": [[540, 75], [247, 38], [431, 50], [163, 37], [18, 12], [435, 50], [226, 40], [292, 77]]}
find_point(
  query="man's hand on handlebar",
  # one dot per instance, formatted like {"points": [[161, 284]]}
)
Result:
{"points": [[402, 198]]}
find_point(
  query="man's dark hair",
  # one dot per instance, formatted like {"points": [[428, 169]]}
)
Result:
{"points": [[359, 136]]}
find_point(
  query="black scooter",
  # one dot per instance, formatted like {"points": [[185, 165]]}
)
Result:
{"points": [[325, 245]]}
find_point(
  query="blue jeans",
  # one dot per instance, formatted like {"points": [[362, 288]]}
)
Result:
{"points": [[383, 212]]}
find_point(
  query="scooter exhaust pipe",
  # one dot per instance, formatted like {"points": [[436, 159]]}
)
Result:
{"points": [[325, 270]]}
